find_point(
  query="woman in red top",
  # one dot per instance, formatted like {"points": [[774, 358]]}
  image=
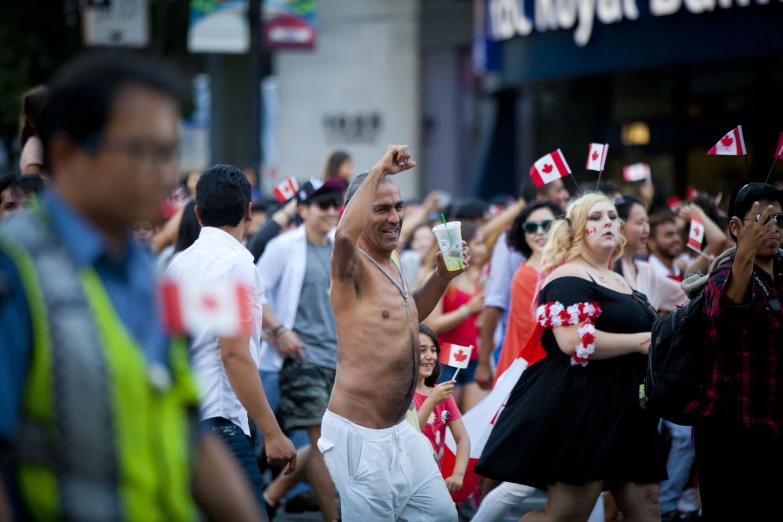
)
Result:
{"points": [[456, 319], [528, 235]]}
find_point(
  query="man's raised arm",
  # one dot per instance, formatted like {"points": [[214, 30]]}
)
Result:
{"points": [[359, 208]]}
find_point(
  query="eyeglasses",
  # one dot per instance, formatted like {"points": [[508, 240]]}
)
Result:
{"points": [[327, 203], [778, 218], [531, 227]]}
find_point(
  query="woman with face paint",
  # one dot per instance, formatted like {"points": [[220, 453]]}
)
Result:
{"points": [[574, 425]]}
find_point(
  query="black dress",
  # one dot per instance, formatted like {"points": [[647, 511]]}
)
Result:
{"points": [[574, 424]]}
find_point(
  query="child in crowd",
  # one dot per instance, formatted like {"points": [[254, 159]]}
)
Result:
{"points": [[437, 409]]}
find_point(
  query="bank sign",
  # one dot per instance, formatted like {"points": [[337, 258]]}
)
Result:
{"points": [[509, 18]]}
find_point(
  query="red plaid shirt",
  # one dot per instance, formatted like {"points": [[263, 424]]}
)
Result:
{"points": [[744, 352]]}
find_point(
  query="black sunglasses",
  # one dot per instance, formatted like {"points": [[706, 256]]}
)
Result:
{"points": [[329, 202], [531, 227]]}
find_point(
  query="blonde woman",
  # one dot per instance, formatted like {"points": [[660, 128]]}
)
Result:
{"points": [[573, 424]]}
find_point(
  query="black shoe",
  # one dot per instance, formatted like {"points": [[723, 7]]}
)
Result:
{"points": [[302, 503]]}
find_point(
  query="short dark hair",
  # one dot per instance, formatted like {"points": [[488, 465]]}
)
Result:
{"points": [[32, 184], [515, 237], [432, 380], [607, 187], [12, 180], [625, 204], [470, 209], [189, 228], [660, 219], [222, 196], [356, 182], [83, 92], [744, 195]]}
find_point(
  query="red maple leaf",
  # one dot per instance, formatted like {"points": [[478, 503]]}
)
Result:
{"points": [[460, 356], [546, 169], [595, 155], [209, 303], [726, 141]]}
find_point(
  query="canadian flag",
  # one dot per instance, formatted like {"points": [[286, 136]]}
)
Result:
{"points": [[636, 172], [696, 236], [596, 156], [480, 420], [549, 168], [286, 190], [732, 144], [224, 308], [455, 355]]}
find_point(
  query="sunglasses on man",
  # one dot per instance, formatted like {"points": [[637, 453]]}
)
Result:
{"points": [[531, 227]]}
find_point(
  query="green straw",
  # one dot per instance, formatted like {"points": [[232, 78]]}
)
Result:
{"points": [[451, 239]]}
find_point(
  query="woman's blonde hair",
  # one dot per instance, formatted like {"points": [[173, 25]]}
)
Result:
{"points": [[566, 237]]}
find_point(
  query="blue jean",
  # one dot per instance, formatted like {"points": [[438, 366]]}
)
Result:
{"points": [[678, 465], [240, 447], [271, 383]]}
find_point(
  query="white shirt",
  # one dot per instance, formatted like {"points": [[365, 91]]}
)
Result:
{"points": [[283, 265], [662, 269], [216, 255]]}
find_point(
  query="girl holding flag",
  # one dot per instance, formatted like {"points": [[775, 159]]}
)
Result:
{"points": [[437, 408], [573, 424]]}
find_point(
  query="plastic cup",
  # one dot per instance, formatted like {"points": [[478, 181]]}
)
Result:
{"points": [[449, 238]]}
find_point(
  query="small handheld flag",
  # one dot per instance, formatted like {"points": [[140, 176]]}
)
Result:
{"points": [[636, 172], [549, 168], [732, 144], [696, 235], [225, 308], [596, 156], [455, 355], [286, 190]]}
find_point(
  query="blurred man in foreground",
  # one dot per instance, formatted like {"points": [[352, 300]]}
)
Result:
{"points": [[98, 406]]}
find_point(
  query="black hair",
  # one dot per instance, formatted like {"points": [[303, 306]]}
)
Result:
{"points": [[356, 182], [743, 196], [82, 94], [468, 231], [260, 206], [189, 228], [333, 163], [607, 187], [625, 204], [33, 102], [432, 380], [222, 196], [515, 237], [32, 184], [470, 209], [12, 180]]}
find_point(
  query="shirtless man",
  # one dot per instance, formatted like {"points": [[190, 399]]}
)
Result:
{"points": [[382, 468]]}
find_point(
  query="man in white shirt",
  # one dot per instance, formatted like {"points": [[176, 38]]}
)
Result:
{"points": [[297, 267], [227, 368]]}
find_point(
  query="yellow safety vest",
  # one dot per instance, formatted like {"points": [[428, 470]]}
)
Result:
{"points": [[103, 435]]}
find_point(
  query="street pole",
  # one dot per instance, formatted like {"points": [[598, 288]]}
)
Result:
{"points": [[256, 74]]}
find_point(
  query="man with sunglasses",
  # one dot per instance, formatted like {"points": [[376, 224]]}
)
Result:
{"points": [[739, 434], [296, 268]]}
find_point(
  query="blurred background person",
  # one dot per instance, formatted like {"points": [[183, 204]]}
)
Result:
{"points": [[339, 165], [32, 159]]}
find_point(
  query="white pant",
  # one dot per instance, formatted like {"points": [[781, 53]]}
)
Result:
{"points": [[508, 496], [384, 475]]}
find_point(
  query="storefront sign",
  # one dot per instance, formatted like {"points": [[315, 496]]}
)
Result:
{"points": [[117, 23], [218, 26], [290, 24], [509, 18]]}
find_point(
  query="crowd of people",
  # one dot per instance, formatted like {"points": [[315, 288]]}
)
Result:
{"points": [[333, 396]]}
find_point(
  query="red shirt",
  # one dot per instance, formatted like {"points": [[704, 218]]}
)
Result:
{"points": [[744, 351], [466, 333], [435, 430]]}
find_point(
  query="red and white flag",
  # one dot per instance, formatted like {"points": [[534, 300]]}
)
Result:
{"points": [[224, 308], [455, 355], [480, 420], [779, 149], [549, 168], [696, 235], [596, 156], [732, 144], [286, 190], [636, 172]]}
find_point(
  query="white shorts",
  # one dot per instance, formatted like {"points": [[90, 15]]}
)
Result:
{"points": [[384, 475]]}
